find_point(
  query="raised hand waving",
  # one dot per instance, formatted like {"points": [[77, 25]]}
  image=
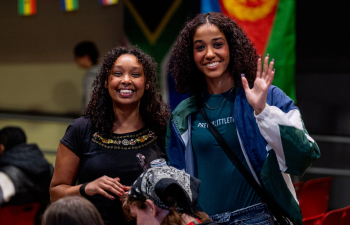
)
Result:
{"points": [[257, 95]]}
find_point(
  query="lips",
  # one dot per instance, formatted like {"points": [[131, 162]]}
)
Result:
{"points": [[212, 65], [126, 91]]}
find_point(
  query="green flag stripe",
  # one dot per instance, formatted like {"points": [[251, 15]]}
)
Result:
{"points": [[281, 47], [75, 4], [20, 7]]}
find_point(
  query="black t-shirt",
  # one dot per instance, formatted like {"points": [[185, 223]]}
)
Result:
{"points": [[113, 157]]}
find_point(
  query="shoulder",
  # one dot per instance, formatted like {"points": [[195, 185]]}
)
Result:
{"points": [[185, 107], [82, 122], [180, 114], [276, 97], [81, 126]]}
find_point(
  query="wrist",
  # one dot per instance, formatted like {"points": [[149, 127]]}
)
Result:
{"points": [[82, 190], [259, 109]]}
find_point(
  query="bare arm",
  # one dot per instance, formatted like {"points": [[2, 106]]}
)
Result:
{"points": [[65, 176]]}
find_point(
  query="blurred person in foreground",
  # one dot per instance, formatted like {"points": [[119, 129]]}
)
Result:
{"points": [[72, 210], [86, 56], [167, 196], [25, 174], [126, 116]]}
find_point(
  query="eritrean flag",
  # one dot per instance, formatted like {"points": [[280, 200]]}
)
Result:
{"points": [[26, 7], [108, 2], [69, 5], [270, 25]]}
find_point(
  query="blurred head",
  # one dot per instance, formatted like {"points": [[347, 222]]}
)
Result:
{"points": [[11, 136], [237, 54], [73, 210], [162, 195], [86, 54], [141, 79]]}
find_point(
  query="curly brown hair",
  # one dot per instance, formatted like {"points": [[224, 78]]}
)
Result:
{"points": [[154, 111], [243, 56]]}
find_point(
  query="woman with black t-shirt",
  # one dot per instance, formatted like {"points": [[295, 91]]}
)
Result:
{"points": [[125, 116]]}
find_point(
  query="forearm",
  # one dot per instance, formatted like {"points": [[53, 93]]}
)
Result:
{"points": [[63, 190]]}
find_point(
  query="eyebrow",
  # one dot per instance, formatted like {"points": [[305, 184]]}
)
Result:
{"points": [[134, 67], [214, 39]]}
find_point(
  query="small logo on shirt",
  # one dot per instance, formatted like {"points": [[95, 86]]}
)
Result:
{"points": [[217, 122]]}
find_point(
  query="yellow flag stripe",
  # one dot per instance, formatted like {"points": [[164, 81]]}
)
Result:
{"points": [[110, 2], [69, 5], [28, 7]]}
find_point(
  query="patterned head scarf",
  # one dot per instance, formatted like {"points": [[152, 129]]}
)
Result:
{"points": [[153, 183]]}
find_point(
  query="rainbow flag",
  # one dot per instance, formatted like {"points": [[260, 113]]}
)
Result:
{"points": [[26, 7], [69, 5], [270, 25], [108, 2]]}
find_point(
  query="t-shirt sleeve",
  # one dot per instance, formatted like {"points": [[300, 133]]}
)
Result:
{"points": [[77, 136]]}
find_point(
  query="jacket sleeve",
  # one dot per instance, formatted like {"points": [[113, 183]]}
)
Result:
{"points": [[174, 147], [24, 187], [7, 188], [281, 125]]}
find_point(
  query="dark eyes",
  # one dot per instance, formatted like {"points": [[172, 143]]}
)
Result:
{"points": [[199, 47], [118, 74], [217, 45], [202, 47]]}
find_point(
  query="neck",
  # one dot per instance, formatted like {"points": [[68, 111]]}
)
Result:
{"points": [[128, 119], [220, 85]]}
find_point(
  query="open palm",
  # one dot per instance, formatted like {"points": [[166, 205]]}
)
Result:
{"points": [[257, 95]]}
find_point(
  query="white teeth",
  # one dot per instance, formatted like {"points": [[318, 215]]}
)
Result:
{"points": [[125, 91], [212, 64]]}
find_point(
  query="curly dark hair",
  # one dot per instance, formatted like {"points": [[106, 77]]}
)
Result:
{"points": [[154, 111], [243, 56]]}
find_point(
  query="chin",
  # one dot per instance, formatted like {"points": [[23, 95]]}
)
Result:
{"points": [[213, 75]]}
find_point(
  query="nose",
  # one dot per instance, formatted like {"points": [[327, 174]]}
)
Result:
{"points": [[126, 80], [210, 54]]}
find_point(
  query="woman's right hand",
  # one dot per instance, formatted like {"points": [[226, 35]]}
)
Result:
{"points": [[102, 185]]}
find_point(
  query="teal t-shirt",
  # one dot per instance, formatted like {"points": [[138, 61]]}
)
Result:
{"points": [[223, 188]]}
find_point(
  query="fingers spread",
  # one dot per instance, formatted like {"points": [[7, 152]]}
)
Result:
{"points": [[270, 80], [270, 70], [266, 66], [258, 70], [245, 83]]}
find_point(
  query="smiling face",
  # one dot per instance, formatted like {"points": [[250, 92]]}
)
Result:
{"points": [[127, 82], [211, 52]]}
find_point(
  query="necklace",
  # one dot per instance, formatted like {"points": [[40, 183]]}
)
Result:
{"points": [[221, 102]]}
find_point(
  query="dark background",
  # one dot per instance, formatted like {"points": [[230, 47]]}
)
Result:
{"points": [[322, 87]]}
